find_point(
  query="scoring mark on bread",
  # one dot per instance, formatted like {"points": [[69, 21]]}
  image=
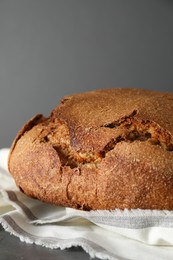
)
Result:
{"points": [[65, 157], [130, 127], [118, 122], [139, 130]]}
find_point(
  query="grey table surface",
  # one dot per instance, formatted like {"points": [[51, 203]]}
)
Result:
{"points": [[11, 248]]}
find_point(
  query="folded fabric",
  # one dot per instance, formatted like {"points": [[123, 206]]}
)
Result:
{"points": [[116, 234]]}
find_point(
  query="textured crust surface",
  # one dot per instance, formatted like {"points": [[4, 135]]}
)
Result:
{"points": [[102, 149]]}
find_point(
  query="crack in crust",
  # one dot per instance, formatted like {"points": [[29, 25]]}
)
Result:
{"points": [[136, 130], [131, 129]]}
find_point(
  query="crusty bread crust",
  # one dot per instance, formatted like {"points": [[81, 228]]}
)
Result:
{"points": [[104, 149]]}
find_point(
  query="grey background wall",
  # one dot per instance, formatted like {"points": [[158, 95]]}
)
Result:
{"points": [[50, 48]]}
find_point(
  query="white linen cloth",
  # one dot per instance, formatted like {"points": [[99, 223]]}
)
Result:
{"points": [[118, 234]]}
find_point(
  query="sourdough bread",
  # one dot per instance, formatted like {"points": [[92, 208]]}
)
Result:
{"points": [[104, 149]]}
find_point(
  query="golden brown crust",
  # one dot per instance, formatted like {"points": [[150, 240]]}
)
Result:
{"points": [[33, 121], [103, 149]]}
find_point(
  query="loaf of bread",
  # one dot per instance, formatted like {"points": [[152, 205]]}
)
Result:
{"points": [[104, 149]]}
